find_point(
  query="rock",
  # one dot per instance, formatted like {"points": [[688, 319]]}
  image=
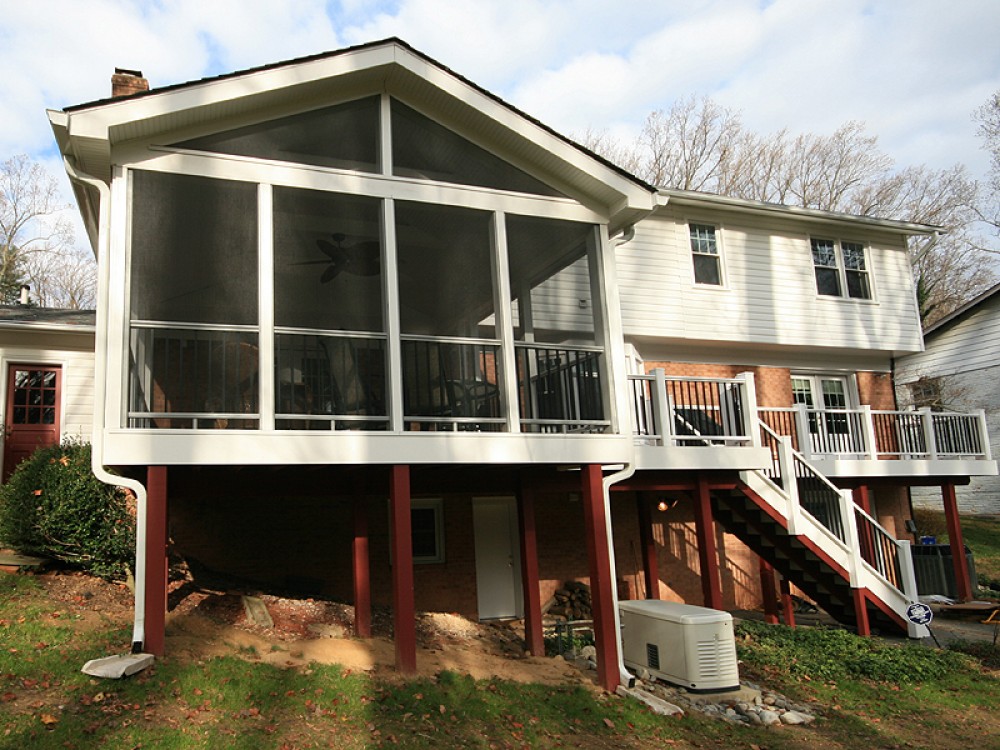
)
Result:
{"points": [[322, 630], [588, 652], [769, 718], [794, 717], [656, 705], [755, 719], [768, 700]]}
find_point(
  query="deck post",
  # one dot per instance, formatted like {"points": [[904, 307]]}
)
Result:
{"points": [[963, 583], [787, 603], [861, 611], [403, 611], [650, 564], [601, 585], [769, 592], [155, 606], [362, 572], [708, 554], [533, 639], [862, 498]]}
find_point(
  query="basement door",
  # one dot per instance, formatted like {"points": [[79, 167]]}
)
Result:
{"points": [[498, 558], [33, 396]]}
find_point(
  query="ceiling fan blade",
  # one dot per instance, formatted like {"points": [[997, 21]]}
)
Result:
{"points": [[333, 252], [310, 263], [330, 274]]}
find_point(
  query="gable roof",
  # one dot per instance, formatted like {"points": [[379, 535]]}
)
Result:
{"points": [[86, 133], [47, 318], [962, 312]]}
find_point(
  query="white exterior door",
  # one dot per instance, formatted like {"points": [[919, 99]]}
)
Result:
{"points": [[833, 427], [498, 558]]}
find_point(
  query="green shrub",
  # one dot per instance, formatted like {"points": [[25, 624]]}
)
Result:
{"points": [[831, 655], [53, 506]]}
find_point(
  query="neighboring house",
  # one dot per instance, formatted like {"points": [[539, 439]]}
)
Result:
{"points": [[370, 332], [47, 359], [959, 371]]}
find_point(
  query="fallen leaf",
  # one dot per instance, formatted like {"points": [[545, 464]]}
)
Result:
{"points": [[49, 720], [609, 724]]}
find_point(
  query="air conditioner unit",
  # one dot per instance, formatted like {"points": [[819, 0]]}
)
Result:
{"points": [[689, 646]]}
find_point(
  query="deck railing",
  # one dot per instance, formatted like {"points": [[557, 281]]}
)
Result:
{"points": [[560, 388], [677, 411], [869, 434]]}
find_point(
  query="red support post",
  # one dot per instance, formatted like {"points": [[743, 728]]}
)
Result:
{"points": [[601, 585], [403, 609], [533, 639], [155, 606], [361, 570], [866, 539], [787, 604], [963, 582], [708, 553], [861, 612], [769, 592], [650, 564]]}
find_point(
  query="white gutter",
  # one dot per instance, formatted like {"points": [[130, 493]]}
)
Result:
{"points": [[100, 396], [624, 473]]}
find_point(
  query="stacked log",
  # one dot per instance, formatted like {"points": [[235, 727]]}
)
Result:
{"points": [[572, 602]]}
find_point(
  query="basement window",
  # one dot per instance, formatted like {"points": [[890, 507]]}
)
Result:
{"points": [[427, 530]]}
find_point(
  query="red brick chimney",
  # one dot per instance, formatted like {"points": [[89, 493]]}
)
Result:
{"points": [[127, 82]]}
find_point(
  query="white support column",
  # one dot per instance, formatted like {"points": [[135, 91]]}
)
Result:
{"points": [[849, 520], [391, 304], [802, 431], [930, 442], [504, 329], [661, 407], [984, 434], [868, 430], [786, 465], [265, 303], [909, 581], [750, 416]]}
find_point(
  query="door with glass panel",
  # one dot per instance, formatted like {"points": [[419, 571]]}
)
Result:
{"points": [[833, 424], [32, 416]]}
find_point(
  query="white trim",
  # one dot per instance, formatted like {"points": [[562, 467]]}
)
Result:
{"points": [[266, 387], [841, 268], [720, 255]]}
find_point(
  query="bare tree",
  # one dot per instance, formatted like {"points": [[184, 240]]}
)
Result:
{"points": [[988, 117], [700, 145], [65, 280], [29, 220]]}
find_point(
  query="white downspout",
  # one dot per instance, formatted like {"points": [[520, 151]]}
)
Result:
{"points": [[100, 396], [626, 472]]}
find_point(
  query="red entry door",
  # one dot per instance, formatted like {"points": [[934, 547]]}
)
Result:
{"points": [[33, 396]]}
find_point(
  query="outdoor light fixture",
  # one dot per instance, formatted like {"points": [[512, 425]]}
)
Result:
{"points": [[666, 504]]}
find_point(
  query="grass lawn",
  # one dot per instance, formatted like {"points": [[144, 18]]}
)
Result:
{"points": [[981, 535], [892, 697]]}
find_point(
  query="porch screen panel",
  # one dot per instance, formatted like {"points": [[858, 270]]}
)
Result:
{"points": [[193, 306], [427, 150], [446, 308], [560, 361], [345, 136], [194, 249], [327, 261]]}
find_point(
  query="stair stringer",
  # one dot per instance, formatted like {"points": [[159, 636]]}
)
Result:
{"points": [[831, 551]]}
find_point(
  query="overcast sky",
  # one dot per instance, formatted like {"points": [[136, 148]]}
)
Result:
{"points": [[912, 70]]}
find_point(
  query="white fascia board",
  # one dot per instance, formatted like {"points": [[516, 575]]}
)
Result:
{"points": [[98, 121], [836, 468], [708, 200], [186, 447], [52, 327]]}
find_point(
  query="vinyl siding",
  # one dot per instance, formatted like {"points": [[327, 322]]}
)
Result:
{"points": [[769, 296], [74, 352], [971, 344]]}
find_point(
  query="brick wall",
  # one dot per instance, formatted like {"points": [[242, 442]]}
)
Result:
{"points": [[773, 384], [875, 389]]}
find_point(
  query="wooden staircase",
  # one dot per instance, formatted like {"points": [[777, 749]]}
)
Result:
{"points": [[816, 537]]}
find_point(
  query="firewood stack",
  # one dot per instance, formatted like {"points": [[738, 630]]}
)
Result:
{"points": [[572, 602]]}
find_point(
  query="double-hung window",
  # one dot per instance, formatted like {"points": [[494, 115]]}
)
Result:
{"points": [[841, 269], [705, 254]]}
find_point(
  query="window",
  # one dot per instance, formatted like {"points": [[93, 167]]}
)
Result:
{"points": [[427, 530], [840, 266], [705, 254]]}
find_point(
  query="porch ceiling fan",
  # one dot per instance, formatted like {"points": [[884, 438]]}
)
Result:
{"points": [[361, 258]]}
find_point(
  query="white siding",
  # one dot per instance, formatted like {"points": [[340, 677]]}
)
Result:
{"points": [[967, 355], [971, 344], [74, 352], [770, 292]]}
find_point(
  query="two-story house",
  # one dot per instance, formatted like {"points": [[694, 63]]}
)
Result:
{"points": [[367, 330]]}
